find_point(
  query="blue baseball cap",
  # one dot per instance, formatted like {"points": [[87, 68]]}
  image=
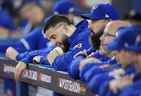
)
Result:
{"points": [[128, 39], [102, 11], [137, 46], [64, 7], [6, 21]]}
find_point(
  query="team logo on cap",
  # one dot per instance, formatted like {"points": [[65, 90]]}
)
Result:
{"points": [[71, 10], [56, 13], [107, 16], [138, 39], [126, 45], [93, 8]]}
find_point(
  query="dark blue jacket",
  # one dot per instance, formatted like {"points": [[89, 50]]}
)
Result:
{"points": [[33, 41]]}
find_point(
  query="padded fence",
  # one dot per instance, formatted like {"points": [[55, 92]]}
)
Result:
{"points": [[45, 77]]}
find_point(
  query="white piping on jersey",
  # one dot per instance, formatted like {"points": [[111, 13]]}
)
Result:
{"points": [[27, 28], [25, 43]]}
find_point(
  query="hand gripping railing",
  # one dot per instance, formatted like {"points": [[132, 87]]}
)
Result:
{"points": [[45, 77]]}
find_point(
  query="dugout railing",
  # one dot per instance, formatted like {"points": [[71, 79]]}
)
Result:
{"points": [[45, 77]]}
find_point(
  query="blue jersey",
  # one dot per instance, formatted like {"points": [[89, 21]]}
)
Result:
{"points": [[103, 57], [80, 36], [133, 89], [95, 77], [7, 21], [33, 41], [105, 91], [27, 57], [78, 41], [95, 67]]}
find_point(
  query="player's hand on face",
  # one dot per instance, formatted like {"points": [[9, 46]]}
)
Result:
{"points": [[11, 53], [20, 68]]}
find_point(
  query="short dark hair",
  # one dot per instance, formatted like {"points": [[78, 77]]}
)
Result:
{"points": [[54, 20]]}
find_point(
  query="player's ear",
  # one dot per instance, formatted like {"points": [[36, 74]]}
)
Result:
{"points": [[70, 30]]}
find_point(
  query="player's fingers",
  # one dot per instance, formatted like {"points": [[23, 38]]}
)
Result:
{"points": [[21, 66]]}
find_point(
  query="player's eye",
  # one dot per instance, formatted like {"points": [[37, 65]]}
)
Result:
{"points": [[108, 34], [52, 36]]}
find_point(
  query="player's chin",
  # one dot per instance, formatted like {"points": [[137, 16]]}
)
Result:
{"points": [[104, 46]]}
